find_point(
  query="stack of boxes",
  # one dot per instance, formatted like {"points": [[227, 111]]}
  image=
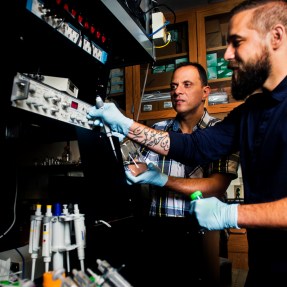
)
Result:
{"points": [[216, 34], [117, 84], [169, 67], [217, 67], [222, 70], [213, 33]]}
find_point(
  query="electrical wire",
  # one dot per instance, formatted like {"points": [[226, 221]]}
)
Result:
{"points": [[23, 263], [168, 41], [14, 211], [156, 6]]}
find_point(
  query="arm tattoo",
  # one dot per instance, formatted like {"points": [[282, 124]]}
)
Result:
{"points": [[151, 138]]}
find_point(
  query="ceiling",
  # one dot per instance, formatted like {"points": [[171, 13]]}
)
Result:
{"points": [[177, 5]]}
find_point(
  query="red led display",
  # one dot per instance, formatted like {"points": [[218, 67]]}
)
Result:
{"points": [[66, 7], [74, 105], [80, 19], [92, 29], [87, 25], [104, 38], [74, 13]]}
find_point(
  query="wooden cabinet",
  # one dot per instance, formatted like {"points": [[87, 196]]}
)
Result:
{"points": [[212, 22], [238, 248], [142, 80], [206, 34]]}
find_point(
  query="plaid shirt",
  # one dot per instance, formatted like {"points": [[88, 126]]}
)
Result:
{"points": [[168, 203]]}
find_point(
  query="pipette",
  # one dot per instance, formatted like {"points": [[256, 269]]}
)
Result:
{"points": [[34, 239], [47, 237], [100, 105], [80, 233]]}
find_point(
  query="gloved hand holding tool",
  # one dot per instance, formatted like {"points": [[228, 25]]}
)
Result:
{"points": [[110, 115], [152, 176], [213, 214]]}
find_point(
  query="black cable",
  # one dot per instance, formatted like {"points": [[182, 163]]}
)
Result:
{"points": [[14, 207], [23, 263]]}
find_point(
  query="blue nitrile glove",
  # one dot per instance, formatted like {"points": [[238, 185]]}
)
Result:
{"points": [[111, 116], [152, 176], [213, 214]]}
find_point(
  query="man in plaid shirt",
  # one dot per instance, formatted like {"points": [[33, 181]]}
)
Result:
{"points": [[170, 183]]}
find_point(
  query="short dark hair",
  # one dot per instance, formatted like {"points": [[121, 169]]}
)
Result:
{"points": [[267, 13], [200, 69], [250, 4]]}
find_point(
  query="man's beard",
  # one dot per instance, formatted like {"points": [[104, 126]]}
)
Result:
{"points": [[250, 77]]}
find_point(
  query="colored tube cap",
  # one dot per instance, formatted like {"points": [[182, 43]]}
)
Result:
{"points": [[48, 280], [196, 195]]}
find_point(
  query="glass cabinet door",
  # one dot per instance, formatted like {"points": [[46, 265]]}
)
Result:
{"points": [[212, 25]]}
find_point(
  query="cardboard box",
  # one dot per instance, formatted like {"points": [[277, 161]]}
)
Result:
{"points": [[156, 80], [213, 40], [212, 26], [224, 32]]}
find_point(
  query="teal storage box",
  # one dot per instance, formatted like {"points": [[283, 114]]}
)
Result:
{"points": [[224, 72], [211, 73], [221, 62], [211, 60]]}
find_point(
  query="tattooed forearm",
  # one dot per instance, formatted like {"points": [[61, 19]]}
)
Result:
{"points": [[155, 140]]}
